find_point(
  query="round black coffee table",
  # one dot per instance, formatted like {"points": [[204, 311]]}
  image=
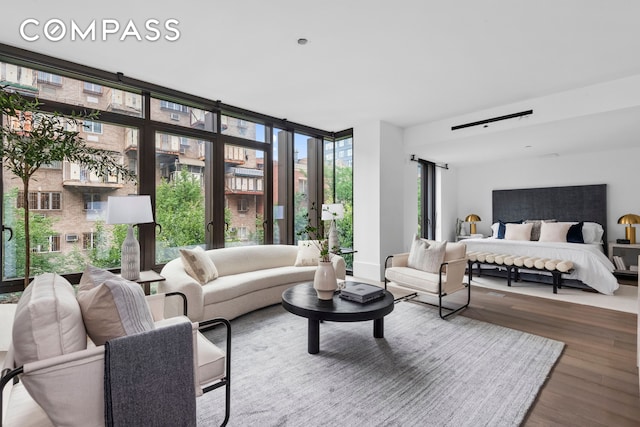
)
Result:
{"points": [[303, 301]]}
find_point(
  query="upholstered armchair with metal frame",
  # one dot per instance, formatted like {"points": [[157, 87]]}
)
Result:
{"points": [[446, 278], [68, 388]]}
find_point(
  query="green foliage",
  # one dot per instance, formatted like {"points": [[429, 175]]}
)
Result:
{"points": [[315, 233], [106, 249], [258, 238], [41, 229], [32, 138], [180, 210], [344, 195]]}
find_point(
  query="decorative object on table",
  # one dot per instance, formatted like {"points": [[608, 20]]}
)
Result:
{"points": [[129, 210], [472, 218], [324, 282], [361, 292], [458, 226], [332, 212], [34, 138], [629, 220]]}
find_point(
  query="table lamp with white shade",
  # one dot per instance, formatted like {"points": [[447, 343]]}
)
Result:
{"points": [[129, 210], [331, 212]]}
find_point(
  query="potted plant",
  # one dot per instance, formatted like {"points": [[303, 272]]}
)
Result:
{"points": [[33, 138], [325, 281]]}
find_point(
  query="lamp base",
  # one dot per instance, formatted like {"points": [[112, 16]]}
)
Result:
{"points": [[130, 257], [630, 234], [472, 228], [334, 244]]}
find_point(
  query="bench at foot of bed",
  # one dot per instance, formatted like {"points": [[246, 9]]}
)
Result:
{"points": [[513, 263]]}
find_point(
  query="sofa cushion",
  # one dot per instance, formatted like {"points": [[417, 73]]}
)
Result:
{"points": [[112, 306], [414, 279], [230, 287], [48, 320], [308, 253], [426, 255], [252, 258], [198, 265]]}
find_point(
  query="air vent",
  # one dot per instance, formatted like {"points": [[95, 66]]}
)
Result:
{"points": [[493, 119], [71, 237], [174, 116]]}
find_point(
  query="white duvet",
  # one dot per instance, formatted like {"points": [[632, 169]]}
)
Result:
{"points": [[591, 265]]}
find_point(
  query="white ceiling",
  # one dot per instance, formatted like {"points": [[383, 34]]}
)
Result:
{"points": [[404, 62]]}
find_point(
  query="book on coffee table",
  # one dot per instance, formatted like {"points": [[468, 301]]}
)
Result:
{"points": [[361, 292]]}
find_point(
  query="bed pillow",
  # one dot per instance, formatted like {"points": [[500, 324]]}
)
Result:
{"points": [[535, 231], [554, 231], [426, 255], [592, 232], [502, 227], [574, 234], [518, 231], [199, 265], [494, 230]]}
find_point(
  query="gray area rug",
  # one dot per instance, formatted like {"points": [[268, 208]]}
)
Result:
{"points": [[425, 372]]}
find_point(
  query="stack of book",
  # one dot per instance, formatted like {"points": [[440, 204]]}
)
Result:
{"points": [[361, 292], [618, 261]]}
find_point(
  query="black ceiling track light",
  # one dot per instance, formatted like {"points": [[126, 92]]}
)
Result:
{"points": [[493, 119]]}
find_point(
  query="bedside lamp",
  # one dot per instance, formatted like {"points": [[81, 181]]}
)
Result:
{"points": [[331, 212], [129, 210], [472, 218], [629, 220]]}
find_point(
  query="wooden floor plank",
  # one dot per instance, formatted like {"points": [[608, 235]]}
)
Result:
{"points": [[595, 381]]}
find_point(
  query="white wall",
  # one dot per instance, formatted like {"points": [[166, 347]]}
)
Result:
{"points": [[616, 168]]}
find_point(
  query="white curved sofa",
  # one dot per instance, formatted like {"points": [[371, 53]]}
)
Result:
{"points": [[249, 277]]}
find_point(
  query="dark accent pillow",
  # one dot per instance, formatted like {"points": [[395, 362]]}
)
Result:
{"points": [[574, 235], [502, 228]]}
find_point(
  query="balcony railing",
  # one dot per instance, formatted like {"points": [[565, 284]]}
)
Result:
{"points": [[74, 175]]}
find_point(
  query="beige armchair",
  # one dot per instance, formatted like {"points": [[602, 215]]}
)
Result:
{"points": [[64, 386], [447, 280]]}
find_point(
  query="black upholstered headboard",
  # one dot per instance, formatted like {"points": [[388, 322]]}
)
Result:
{"points": [[572, 203]]}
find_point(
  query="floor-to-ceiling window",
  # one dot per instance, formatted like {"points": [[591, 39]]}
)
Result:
{"points": [[338, 187], [67, 202], [217, 175], [427, 199]]}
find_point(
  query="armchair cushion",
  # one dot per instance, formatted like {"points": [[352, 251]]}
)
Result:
{"points": [[113, 308], [48, 321], [426, 255], [198, 265]]}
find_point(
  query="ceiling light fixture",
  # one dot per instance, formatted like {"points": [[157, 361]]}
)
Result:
{"points": [[302, 41], [493, 119]]}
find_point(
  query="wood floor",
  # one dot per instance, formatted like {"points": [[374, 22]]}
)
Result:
{"points": [[595, 382]]}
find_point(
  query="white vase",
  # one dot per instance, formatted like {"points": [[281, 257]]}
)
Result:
{"points": [[324, 281]]}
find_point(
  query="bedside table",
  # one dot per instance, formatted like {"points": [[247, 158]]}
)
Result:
{"points": [[473, 236], [629, 254]]}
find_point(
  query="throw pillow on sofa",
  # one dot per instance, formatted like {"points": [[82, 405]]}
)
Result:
{"points": [[308, 253], [111, 306], [198, 265], [48, 321]]}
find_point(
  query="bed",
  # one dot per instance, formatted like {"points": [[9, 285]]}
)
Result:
{"points": [[585, 203]]}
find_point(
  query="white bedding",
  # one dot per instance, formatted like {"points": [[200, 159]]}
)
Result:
{"points": [[591, 265]]}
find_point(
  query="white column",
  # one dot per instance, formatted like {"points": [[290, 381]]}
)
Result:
{"points": [[378, 196]]}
